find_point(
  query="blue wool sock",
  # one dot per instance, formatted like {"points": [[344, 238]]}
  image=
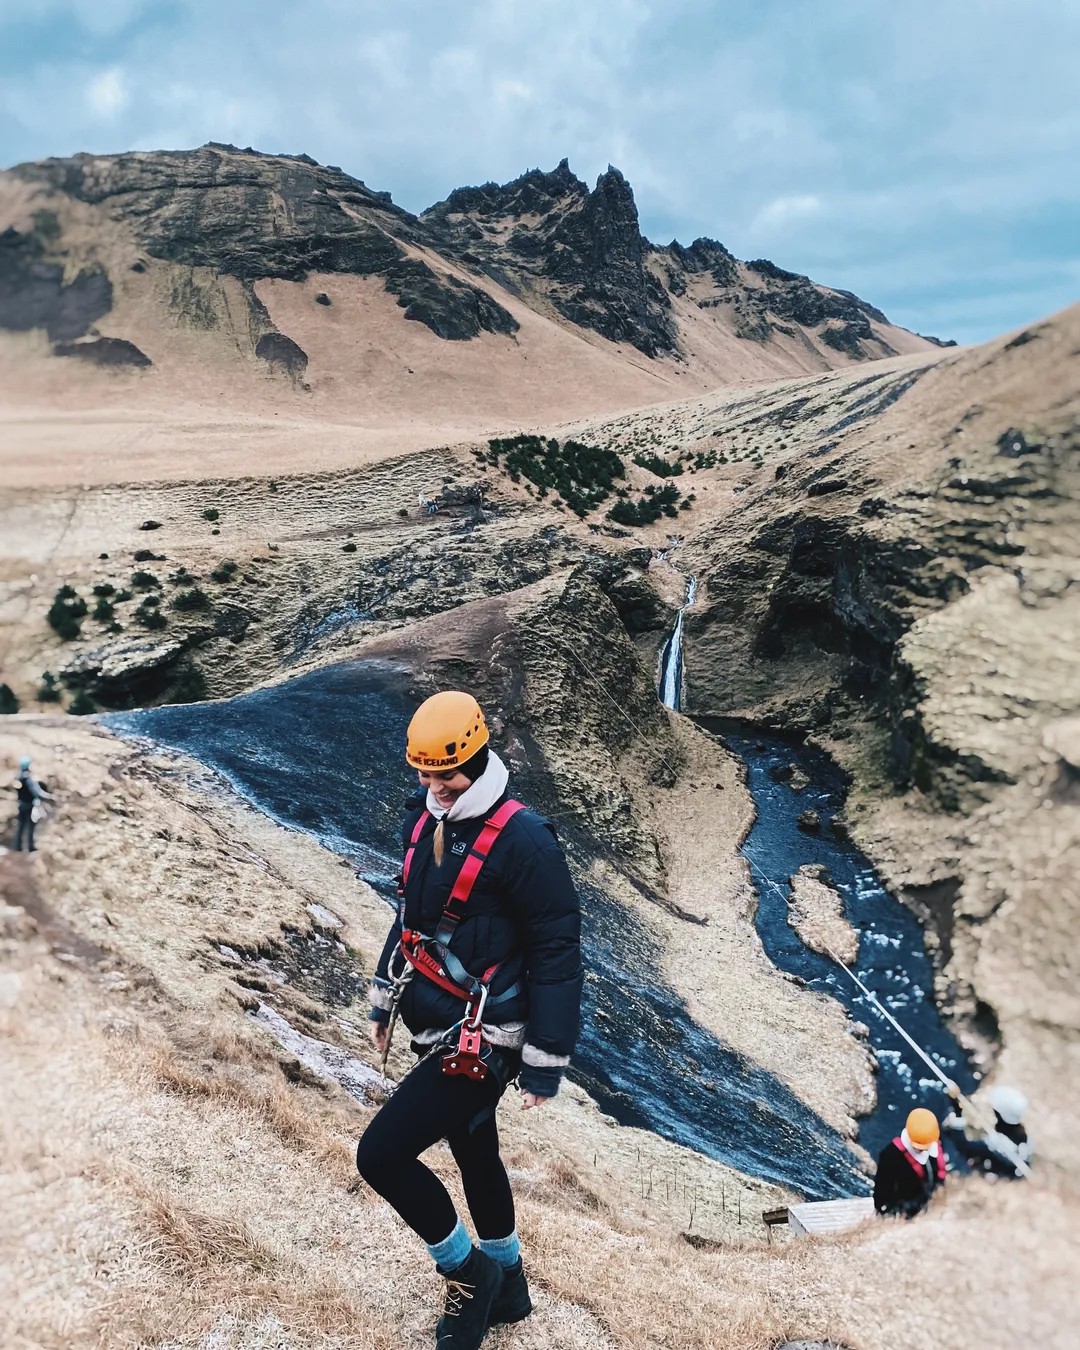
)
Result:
{"points": [[507, 1250], [452, 1251]]}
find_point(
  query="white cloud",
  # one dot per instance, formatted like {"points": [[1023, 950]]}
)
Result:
{"points": [[107, 94], [783, 211]]}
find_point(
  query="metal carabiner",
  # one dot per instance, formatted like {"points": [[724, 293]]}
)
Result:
{"points": [[477, 1018]]}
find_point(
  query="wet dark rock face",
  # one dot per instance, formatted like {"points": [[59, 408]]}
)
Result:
{"points": [[104, 352], [33, 292]]}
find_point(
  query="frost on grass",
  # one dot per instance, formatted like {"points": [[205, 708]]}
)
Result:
{"points": [[358, 1079]]}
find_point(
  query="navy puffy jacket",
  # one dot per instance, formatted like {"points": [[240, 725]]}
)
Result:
{"points": [[523, 912]]}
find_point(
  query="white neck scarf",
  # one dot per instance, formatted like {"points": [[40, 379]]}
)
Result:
{"points": [[479, 798], [921, 1155]]}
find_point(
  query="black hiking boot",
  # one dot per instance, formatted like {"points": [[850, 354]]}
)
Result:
{"points": [[470, 1291], [512, 1302]]}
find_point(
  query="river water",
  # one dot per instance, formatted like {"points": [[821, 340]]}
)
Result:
{"points": [[892, 960]]}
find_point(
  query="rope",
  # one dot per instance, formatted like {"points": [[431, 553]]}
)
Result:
{"points": [[950, 1086]]}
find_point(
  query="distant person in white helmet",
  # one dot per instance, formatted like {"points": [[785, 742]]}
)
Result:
{"points": [[1001, 1147]]}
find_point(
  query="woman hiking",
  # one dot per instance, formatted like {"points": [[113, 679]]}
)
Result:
{"points": [[483, 966]]}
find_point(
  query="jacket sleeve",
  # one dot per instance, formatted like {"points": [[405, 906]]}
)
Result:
{"points": [[381, 988], [545, 904]]}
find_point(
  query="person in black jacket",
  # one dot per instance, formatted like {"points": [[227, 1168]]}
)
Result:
{"points": [[483, 965], [910, 1168]]}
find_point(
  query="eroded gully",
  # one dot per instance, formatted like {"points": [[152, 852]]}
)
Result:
{"points": [[788, 779]]}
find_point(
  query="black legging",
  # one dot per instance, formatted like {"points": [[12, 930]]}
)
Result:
{"points": [[427, 1106]]}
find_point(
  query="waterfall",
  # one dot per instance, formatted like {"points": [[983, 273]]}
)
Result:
{"points": [[671, 662]]}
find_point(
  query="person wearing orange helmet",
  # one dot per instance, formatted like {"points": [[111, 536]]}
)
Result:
{"points": [[483, 966], [910, 1168]]}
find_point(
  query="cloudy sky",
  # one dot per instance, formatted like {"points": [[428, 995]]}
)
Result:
{"points": [[923, 153]]}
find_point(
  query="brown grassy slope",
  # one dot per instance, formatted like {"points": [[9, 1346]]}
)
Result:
{"points": [[173, 1178]]}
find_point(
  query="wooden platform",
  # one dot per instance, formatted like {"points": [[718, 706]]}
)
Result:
{"points": [[829, 1216]]}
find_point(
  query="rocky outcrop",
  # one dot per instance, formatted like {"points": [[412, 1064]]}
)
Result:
{"points": [[35, 291], [250, 216], [547, 235]]}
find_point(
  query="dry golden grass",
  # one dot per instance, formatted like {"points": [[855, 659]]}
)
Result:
{"points": [[166, 1185]]}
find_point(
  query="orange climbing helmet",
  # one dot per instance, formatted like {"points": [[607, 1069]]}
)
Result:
{"points": [[446, 730], [922, 1127]]}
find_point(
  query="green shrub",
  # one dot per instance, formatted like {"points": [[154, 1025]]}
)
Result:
{"points": [[182, 577], [48, 692], [658, 502], [211, 513], [63, 615], [104, 610], [661, 467], [348, 548], [82, 704], [9, 703], [193, 599], [224, 571], [581, 475], [144, 581], [148, 613], [104, 588], [189, 685], [123, 595]]}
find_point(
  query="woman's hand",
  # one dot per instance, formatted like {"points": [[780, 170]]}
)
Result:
{"points": [[379, 1033], [530, 1099]]}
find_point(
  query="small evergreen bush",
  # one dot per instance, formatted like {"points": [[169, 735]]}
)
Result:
{"points": [[149, 615], [211, 513], [9, 703], [657, 502], [194, 599], [661, 467], [225, 571], [144, 581], [48, 691], [82, 704], [65, 612]]}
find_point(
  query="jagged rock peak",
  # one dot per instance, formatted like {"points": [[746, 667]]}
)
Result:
{"points": [[532, 193]]}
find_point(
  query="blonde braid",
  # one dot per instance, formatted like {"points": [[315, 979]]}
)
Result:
{"points": [[438, 843]]}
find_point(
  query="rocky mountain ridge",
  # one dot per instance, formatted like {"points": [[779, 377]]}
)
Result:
{"points": [[570, 253]]}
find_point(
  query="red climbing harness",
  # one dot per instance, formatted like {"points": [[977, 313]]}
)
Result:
{"points": [[431, 956], [918, 1166]]}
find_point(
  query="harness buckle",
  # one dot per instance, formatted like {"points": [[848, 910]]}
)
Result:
{"points": [[467, 1058]]}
